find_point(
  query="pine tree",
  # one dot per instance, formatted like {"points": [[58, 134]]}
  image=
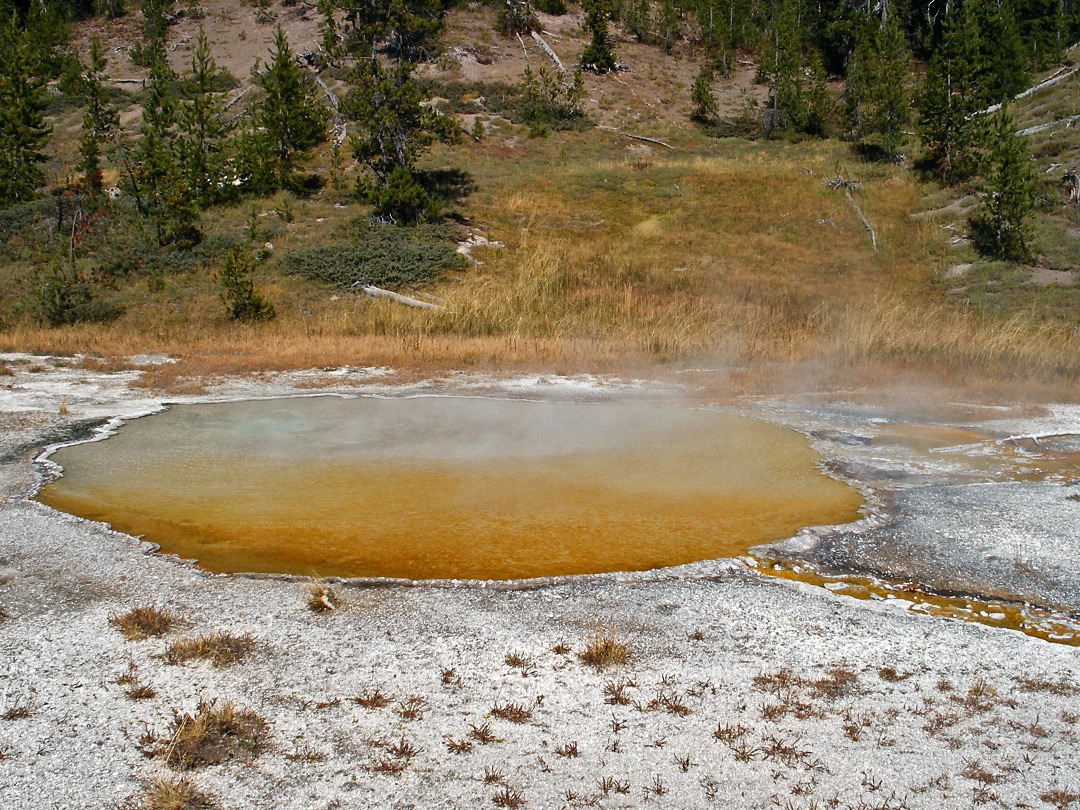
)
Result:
{"points": [[1000, 67], [242, 302], [392, 127], [598, 56], [255, 164], [160, 183], [331, 37], [292, 115], [784, 68], [705, 105], [517, 17], [668, 25], [1000, 223], [714, 25], [23, 132], [157, 15], [637, 18], [948, 101], [100, 120], [203, 133], [862, 75], [890, 95], [877, 101]]}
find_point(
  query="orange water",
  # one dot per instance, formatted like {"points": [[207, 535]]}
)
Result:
{"points": [[1045, 624], [439, 487]]}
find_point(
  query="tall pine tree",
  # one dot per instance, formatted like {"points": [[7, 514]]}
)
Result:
{"points": [[159, 182], [100, 121], [292, 115], [23, 132], [597, 56], [392, 127], [793, 102], [1000, 224], [202, 130], [876, 100], [949, 99]]}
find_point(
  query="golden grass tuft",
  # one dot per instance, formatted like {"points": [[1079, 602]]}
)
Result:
{"points": [[220, 648], [603, 650], [172, 793], [322, 598], [142, 621], [214, 734]]}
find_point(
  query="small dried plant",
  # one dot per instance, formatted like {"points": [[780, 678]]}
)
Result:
{"points": [[142, 621]]}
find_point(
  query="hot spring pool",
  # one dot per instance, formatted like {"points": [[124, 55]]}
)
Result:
{"points": [[449, 487]]}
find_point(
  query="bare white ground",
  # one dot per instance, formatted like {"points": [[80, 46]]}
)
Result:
{"points": [[739, 691]]}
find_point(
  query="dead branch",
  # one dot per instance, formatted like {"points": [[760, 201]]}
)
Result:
{"points": [[341, 128], [379, 292], [547, 49], [839, 182], [638, 137], [523, 49], [236, 98]]}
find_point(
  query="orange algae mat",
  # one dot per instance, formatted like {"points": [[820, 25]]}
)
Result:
{"points": [[449, 487]]}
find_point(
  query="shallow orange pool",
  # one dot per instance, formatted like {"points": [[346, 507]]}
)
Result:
{"points": [[449, 487]]}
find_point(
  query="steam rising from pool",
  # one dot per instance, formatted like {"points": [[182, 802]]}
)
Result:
{"points": [[449, 488]]}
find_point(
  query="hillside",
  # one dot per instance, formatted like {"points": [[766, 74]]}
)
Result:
{"points": [[634, 241]]}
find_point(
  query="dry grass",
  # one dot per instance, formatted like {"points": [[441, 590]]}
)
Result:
{"points": [[1060, 798], [508, 797], [172, 793], [216, 733], [514, 712], [568, 749], [17, 711], [140, 691], [1060, 687], [220, 648], [143, 621], [603, 650], [322, 598], [411, 707], [459, 746], [481, 733], [371, 698], [731, 258]]}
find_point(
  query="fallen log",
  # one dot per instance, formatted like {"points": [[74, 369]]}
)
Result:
{"points": [[547, 49], [862, 216], [379, 292], [1072, 119], [649, 140], [1057, 77]]}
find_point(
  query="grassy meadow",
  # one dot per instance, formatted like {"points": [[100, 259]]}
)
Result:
{"points": [[617, 256]]}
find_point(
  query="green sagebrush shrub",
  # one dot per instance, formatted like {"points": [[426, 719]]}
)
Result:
{"points": [[66, 296], [383, 255]]}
